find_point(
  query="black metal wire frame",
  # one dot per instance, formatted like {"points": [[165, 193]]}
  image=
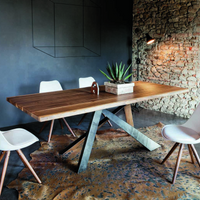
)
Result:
{"points": [[55, 51]]}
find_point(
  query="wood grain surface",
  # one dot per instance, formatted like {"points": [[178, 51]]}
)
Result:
{"points": [[55, 105]]}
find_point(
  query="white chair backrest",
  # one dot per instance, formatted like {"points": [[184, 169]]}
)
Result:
{"points": [[50, 86], [194, 121], [86, 82], [4, 144]]}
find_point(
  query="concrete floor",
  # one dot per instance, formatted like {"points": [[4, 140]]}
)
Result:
{"points": [[141, 119]]}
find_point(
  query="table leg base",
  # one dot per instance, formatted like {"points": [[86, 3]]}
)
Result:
{"points": [[88, 143], [140, 137], [91, 132]]}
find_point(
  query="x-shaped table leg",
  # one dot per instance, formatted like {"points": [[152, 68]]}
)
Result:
{"points": [[88, 143], [140, 137], [89, 140]]}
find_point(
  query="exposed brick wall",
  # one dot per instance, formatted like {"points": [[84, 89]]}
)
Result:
{"points": [[174, 59]]}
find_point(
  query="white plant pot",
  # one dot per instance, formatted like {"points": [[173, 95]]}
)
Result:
{"points": [[119, 88]]}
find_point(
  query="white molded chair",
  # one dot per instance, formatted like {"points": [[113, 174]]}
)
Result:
{"points": [[52, 86], [15, 139], [188, 133], [87, 82]]}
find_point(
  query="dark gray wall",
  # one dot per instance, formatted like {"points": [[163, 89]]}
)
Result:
{"points": [[32, 49]]}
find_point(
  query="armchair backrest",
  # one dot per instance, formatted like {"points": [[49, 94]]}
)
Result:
{"points": [[86, 82], [194, 121], [50, 86], [4, 144]]}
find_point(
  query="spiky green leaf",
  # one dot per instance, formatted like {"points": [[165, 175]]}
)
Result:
{"points": [[120, 71], [111, 72], [116, 72], [128, 76], [106, 75], [126, 71]]}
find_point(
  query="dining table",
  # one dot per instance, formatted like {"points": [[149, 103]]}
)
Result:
{"points": [[55, 105]]}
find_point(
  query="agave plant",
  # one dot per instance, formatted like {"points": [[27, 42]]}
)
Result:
{"points": [[117, 73]]}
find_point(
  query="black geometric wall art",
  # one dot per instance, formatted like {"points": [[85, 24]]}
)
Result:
{"points": [[66, 28]]}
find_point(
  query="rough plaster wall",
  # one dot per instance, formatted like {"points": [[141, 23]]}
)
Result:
{"points": [[23, 64], [174, 59]]}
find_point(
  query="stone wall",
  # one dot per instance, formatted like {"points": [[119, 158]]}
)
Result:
{"points": [[174, 59]]}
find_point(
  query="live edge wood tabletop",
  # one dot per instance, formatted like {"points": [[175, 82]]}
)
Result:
{"points": [[55, 105]]}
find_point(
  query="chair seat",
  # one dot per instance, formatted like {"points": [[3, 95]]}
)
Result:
{"points": [[180, 134], [17, 139]]}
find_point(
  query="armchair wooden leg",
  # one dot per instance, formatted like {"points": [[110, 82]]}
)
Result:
{"points": [[60, 123], [191, 153], [177, 163], [69, 127], [50, 131], [129, 115], [108, 121], [86, 114], [195, 153], [82, 119], [170, 152], [4, 170], [2, 155], [27, 164], [45, 123]]}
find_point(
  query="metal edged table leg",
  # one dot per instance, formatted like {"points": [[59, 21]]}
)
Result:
{"points": [[140, 137], [105, 119], [89, 136], [88, 143]]}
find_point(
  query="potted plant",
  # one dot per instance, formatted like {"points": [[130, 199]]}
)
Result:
{"points": [[117, 79]]}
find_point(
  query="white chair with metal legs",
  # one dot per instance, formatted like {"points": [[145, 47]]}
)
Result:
{"points": [[52, 86], [188, 133], [87, 82], [15, 139]]}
